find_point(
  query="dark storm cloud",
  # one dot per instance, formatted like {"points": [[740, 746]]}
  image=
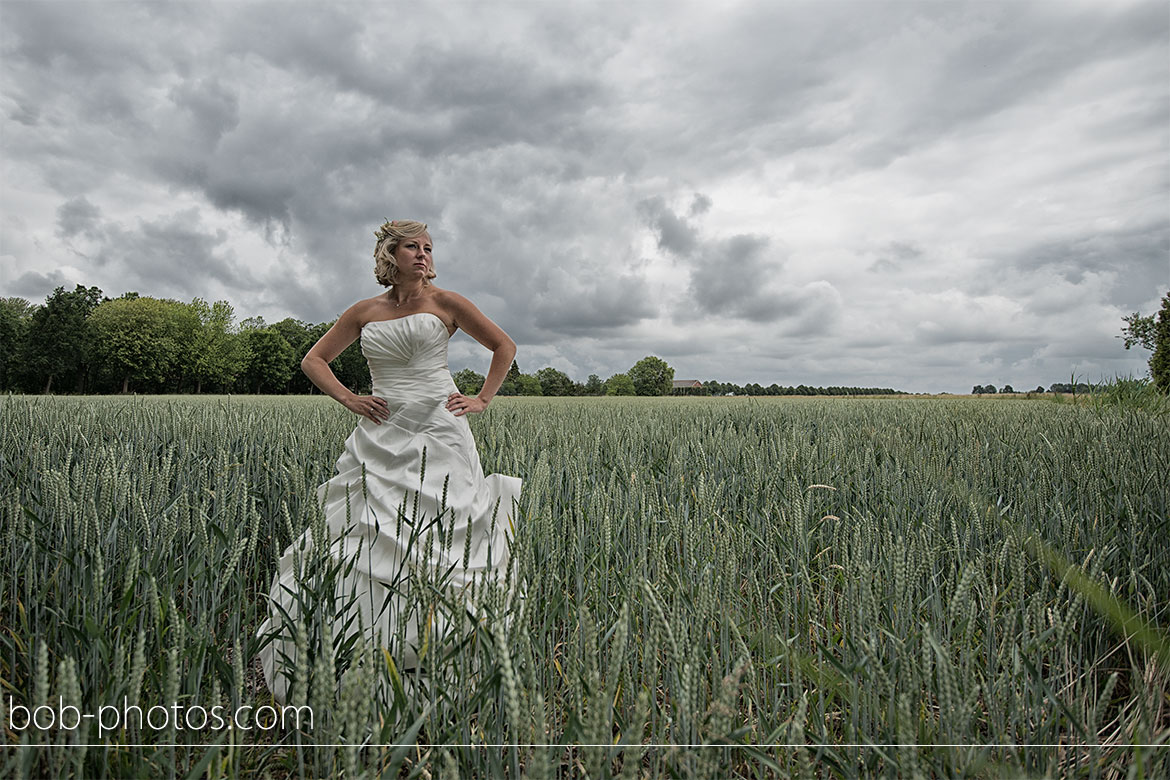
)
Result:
{"points": [[329, 106], [674, 234], [969, 327], [1136, 260], [166, 255], [76, 215], [732, 276], [316, 130], [212, 110], [700, 205], [564, 260], [739, 276], [591, 309], [32, 285], [80, 38]]}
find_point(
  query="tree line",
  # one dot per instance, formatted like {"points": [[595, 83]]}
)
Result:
{"points": [[1055, 387], [649, 376], [714, 387], [82, 342]]}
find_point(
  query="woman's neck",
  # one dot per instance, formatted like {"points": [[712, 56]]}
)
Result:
{"points": [[404, 292]]}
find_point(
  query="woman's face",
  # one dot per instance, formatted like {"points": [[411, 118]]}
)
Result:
{"points": [[413, 256]]}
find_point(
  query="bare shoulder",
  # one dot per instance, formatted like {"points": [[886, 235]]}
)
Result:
{"points": [[454, 303], [365, 310], [372, 302], [467, 316]]}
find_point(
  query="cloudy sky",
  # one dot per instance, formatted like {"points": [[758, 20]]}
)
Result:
{"points": [[920, 195]]}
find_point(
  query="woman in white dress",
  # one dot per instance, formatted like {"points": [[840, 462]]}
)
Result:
{"points": [[412, 448]]}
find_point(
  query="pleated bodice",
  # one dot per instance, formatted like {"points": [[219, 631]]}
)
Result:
{"points": [[408, 357]]}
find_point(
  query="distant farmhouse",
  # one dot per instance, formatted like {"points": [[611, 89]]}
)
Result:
{"points": [[688, 387]]}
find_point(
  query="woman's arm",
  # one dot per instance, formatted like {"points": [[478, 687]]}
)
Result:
{"points": [[488, 333], [316, 362], [502, 358]]}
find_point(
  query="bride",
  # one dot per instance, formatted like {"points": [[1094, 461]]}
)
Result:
{"points": [[411, 456]]}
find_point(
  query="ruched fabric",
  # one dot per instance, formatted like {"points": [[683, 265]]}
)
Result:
{"points": [[393, 479]]}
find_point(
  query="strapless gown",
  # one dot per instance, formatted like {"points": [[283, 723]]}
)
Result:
{"points": [[379, 467]]}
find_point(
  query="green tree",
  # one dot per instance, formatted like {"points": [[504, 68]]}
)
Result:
{"points": [[218, 355], [554, 382], [619, 384], [1150, 332], [1138, 331], [144, 340], [15, 316], [57, 343], [511, 383], [527, 384], [269, 361], [1160, 360], [298, 335], [300, 382], [651, 376], [593, 385], [352, 369], [469, 382]]}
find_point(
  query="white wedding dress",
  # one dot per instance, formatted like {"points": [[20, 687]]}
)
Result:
{"points": [[380, 466]]}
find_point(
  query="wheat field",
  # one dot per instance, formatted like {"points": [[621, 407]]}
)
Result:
{"points": [[727, 587]]}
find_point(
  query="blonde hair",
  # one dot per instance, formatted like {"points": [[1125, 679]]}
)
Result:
{"points": [[389, 236]]}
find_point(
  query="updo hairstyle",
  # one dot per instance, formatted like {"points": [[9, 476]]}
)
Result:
{"points": [[389, 236]]}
